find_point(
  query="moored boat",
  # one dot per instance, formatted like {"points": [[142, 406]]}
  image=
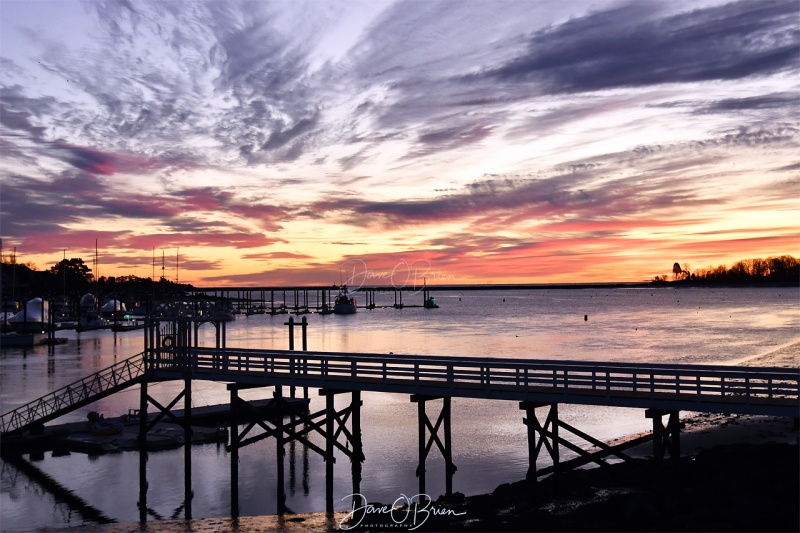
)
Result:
{"points": [[32, 318], [344, 303], [430, 303], [129, 324], [91, 320]]}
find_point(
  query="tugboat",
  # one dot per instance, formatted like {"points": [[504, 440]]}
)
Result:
{"points": [[344, 303], [430, 303]]}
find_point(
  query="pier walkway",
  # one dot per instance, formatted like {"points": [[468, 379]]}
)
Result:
{"points": [[668, 387]]}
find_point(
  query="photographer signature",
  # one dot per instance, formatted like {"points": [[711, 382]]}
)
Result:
{"points": [[405, 512]]}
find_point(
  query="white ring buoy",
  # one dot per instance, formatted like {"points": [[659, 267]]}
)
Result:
{"points": [[168, 342]]}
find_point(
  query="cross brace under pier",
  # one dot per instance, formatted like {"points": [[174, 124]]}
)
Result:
{"points": [[429, 434], [545, 433], [145, 425], [329, 422]]}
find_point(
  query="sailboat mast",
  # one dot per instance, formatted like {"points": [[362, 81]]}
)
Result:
{"points": [[163, 281], [96, 268]]}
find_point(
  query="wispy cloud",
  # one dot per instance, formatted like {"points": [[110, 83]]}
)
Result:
{"points": [[633, 46], [273, 140]]}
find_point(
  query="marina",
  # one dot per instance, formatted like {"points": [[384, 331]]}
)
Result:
{"points": [[39, 315]]}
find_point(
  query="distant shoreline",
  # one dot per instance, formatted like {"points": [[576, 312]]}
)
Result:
{"points": [[520, 286]]}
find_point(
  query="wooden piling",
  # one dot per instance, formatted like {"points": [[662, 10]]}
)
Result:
{"points": [[234, 450]]}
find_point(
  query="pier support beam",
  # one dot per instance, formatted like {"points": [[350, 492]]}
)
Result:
{"points": [[142, 442], [665, 438], [540, 435], [330, 416], [280, 451], [145, 425], [546, 434], [233, 448], [330, 423], [188, 494], [336, 425], [429, 434]]}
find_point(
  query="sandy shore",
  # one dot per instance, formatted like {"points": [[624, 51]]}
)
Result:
{"points": [[785, 356]]}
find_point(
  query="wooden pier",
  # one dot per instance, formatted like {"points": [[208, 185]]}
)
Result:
{"points": [[311, 299], [171, 352]]}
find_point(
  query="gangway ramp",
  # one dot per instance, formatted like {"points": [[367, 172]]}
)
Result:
{"points": [[78, 394]]}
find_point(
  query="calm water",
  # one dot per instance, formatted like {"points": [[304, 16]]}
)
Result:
{"points": [[720, 326]]}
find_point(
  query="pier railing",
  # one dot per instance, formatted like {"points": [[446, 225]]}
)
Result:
{"points": [[82, 392], [712, 388]]}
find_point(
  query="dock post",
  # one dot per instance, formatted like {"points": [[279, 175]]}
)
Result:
{"points": [[425, 442], [304, 325], [143, 452], [292, 462], [234, 433], [665, 438], [539, 435], [330, 414], [290, 323], [187, 448], [358, 452], [450, 468], [421, 417], [279, 449]]}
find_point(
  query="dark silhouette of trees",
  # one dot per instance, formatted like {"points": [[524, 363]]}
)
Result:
{"points": [[783, 269], [676, 270], [73, 275]]}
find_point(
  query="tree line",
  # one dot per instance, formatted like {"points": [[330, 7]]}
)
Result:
{"points": [[783, 269], [71, 278]]}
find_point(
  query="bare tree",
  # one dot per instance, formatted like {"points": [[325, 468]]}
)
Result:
{"points": [[676, 270]]}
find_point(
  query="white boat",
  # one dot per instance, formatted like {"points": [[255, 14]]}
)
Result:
{"points": [[344, 303], [111, 307], [127, 324], [88, 302], [90, 320], [32, 318]]}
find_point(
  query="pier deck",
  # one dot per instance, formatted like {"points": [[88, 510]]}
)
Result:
{"points": [[707, 388]]}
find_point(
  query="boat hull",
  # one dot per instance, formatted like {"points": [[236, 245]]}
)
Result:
{"points": [[344, 309]]}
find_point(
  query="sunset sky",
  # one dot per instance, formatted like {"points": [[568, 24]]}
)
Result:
{"points": [[470, 141]]}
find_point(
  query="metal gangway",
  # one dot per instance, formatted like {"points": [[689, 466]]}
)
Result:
{"points": [[83, 392]]}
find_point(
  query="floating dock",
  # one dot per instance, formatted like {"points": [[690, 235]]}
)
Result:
{"points": [[209, 424]]}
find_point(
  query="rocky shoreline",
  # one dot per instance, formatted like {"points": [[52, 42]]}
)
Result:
{"points": [[736, 473], [742, 487]]}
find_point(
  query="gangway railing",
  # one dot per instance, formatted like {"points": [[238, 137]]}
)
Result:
{"points": [[710, 388], [75, 395]]}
